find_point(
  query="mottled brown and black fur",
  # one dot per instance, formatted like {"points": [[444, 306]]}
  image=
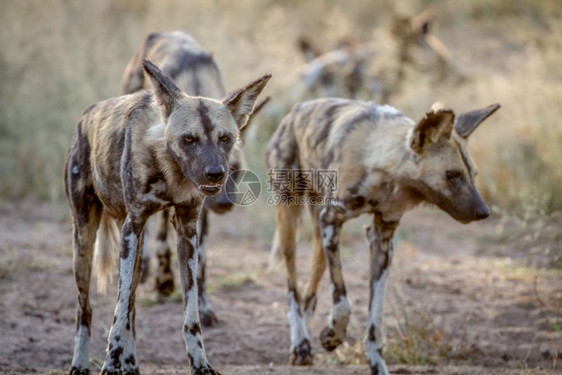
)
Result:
{"points": [[386, 164], [196, 72], [131, 157]]}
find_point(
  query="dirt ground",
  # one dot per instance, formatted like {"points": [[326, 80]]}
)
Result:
{"points": [[459, 302]]}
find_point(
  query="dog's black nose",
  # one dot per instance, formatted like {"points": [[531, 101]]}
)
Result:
{"points": [[482, 212], [214, 174]]}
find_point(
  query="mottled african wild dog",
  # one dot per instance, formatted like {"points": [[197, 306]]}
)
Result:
{"points": [[354, 69], [386, 164], [195, 71], [132, 156]]}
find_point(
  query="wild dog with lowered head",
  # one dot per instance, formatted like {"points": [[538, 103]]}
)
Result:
{"points": [[386, 164], [131, 157], [195, 71]]}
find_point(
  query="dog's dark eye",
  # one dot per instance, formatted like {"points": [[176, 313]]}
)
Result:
{"points": [[190, 139], [453, 175], [224, 138]]}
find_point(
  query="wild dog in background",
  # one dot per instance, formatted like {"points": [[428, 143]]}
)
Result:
{"points": [[131, 157], [386, 164], [353, 70], [195, 71]]}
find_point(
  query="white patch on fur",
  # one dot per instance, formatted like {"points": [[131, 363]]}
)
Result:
{"points": [[377, 360], [327, 234], [204, 304], [340, 315], [296, 322], [379, 288], [388, 109], [192, 315], [155, 133], [275, 256], [376, 315], [193, 242], [81, 358], [126, 339]]}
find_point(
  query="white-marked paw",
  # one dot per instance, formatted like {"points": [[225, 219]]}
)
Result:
{"points": [[120, 372], [117, 364], [379, 368], [208, 370], [77, 371], [301, 355], [330, 338]]}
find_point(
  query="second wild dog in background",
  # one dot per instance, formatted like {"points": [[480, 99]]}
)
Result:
{"points": [[131, 157], [196, 72], [353, 70], [386, 164]]}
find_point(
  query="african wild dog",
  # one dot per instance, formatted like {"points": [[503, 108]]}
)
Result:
{"points": [[352, 69], [195, 71], [132, 156], [386, 165]]}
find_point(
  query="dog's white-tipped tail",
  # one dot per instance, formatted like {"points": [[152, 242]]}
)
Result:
{"points": [[106, 251], [275, 256]]}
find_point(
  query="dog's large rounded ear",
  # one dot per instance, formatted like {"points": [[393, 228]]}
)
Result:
{"points": [[165, 89], [308, 50], [436, 125], [467, 122], [257, 108], [241, 102]]}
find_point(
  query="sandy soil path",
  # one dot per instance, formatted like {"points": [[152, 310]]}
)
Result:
{"points": [[457, 299]]}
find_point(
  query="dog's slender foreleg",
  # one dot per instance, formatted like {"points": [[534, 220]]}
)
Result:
{"points": [[208, 317], [379, 236], [186, 226], [334, 333], [121, 353]]}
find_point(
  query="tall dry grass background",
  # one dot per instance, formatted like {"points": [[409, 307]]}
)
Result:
{"points": [[59, 56]]}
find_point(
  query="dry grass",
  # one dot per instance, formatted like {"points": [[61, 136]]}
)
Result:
{"points": [[58, 56], [417, 340]]}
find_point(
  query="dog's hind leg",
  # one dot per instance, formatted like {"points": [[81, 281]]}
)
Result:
{"points": [[86, 213], [318, 266], [334, 333], [287, 216]]}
